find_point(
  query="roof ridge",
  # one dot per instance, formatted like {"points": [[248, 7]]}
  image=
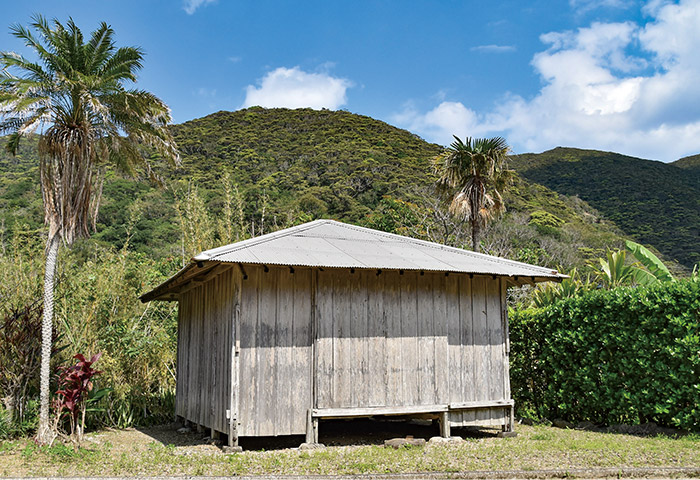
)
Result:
{"points": [[249, 242], [439, 246], [304, 227]]}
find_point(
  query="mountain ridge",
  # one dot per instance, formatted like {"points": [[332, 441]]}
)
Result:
{"points": [[654, 202], [304, 164]]}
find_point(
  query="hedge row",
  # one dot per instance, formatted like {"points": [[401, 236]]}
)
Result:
{"points": [[627, 355]]}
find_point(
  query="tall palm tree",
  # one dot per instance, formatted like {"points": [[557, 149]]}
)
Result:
{"points": [[474, 173], [74, 97]]}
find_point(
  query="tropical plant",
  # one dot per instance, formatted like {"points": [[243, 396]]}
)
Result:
{"points": [[75, 97], [548, 293], [474, 173], [655, 271], [615, 270], [625, 355], [75, 387]]}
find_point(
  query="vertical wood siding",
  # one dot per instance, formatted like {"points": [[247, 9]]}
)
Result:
{"points": [[275, 358], [409, 339], [390, 339], [205, 341]]}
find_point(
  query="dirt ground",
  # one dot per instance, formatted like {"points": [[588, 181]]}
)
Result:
{"points": [[332, 433]]}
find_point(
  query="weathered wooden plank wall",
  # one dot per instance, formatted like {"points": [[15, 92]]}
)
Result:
{"points": [[205, 340], [382, 339], [408, 338], [275, 358]]}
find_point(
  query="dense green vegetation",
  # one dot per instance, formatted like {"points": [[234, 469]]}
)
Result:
{"points": [[244, 173], [289, 166], [625, 355], [656, 203], [689, 163]]}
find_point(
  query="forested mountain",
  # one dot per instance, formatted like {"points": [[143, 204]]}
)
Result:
{"points": [[689, 163], [656, 203], [268, 168]]}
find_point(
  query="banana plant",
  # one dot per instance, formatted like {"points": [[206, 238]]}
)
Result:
{"points": [[614, 270], [655, 271]]}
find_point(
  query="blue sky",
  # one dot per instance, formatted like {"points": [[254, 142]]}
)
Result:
{"points": [[615, 75]]}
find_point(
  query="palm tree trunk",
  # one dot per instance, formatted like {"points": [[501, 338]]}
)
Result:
{"points": [[476, 235], [44, 434]]}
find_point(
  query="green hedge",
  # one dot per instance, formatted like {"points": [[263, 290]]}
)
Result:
{"points": [[628, 355]]}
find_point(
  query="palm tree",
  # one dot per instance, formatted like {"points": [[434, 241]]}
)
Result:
{"points": [[74, 97], [474, 173]]}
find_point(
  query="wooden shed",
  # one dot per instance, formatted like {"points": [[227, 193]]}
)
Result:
{"points": [[329, 320]]}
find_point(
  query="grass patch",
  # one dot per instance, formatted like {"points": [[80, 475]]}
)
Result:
{"points": [[535, 448]]}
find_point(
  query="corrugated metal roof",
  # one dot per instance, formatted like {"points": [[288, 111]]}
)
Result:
{"points": [[331, 244], [327, 243]]}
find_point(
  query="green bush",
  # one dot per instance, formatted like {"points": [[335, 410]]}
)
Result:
{"points": [[627, 355]]}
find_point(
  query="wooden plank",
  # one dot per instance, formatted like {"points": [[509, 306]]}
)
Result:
{"points": [[440, 345], [455, 350], [179, 364], [377, 339], [195, 360], [370, 411], [234, 349], [309, 427], [325, 339], [285, 398], [445, 425], [425, 340], [205, 350], [358, 340], [265, 413], [301, 369], [482, 358], [344, 361], [467, 338], [248, 355], [188, 359], [506, 336], [496, 341], [211, 314], [409, 339], [492, 417], [487, 404], [225, 366], [394, 354]]}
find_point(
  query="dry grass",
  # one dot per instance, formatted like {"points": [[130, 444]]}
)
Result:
{"points": [[160, 451]]}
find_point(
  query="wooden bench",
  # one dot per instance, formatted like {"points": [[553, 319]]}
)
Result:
{"points": [[440, 411]]}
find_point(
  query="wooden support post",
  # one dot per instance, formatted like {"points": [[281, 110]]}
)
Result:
{"points": [[511, 426], [200, 428], [445, 425], [309, 427], [233, 439], [508, 428], [315, 429], [215, 435]]}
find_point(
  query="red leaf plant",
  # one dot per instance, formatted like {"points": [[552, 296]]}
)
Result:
{"points": [[74, 386]]}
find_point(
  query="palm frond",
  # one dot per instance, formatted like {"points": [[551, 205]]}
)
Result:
{"points": [[75, 89]]}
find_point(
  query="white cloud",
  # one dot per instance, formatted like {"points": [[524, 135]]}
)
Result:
{"points": [[583, 6], [493, 48], [294, 88], [596, 94], [441, 123], [206, 92], [190, 6]]}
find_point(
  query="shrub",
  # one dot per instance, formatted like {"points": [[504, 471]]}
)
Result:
{"points": [[612, 356]]}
